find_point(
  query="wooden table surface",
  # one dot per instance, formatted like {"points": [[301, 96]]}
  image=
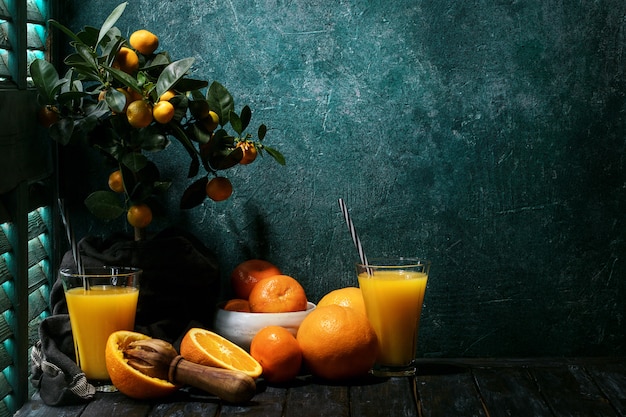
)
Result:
{"points": [[463, 387]]}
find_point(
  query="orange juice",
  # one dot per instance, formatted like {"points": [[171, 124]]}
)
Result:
{"points": [[393, 301], [94, 315]]}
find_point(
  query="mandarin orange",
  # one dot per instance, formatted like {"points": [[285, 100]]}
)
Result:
{"points": [[277, 294], [246, 275], [278, 352], [237, 304]]}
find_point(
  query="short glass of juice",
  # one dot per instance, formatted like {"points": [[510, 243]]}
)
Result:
{"points": [[393, 290], [100, 301]]}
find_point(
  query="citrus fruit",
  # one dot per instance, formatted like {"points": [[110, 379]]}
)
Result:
{"points": [[211, 121], [126, 60], [278, 352], [116, 183], [144, 41], [337, 342], [47, 116], [245, 275], [277, 294], [249, 152], [167, 95], [346, 297], [163, 112], [127, 379], [237, 304], [139, 113], [134, 95], [219, 189], [208, 348], [139, 215]]}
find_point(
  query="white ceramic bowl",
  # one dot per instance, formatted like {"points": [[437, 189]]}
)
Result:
{"points": [[240, 327]]}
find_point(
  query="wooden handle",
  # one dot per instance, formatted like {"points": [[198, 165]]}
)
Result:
{"points": [[231, 386]]}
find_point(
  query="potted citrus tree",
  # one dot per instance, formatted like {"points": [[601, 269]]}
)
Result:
{"points": [[126, 98]]}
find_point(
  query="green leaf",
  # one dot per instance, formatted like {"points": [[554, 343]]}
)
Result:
{"points": [[182, 137], [88, 36], [89, 57], [236, 123], [124, 78], [134, 161], [160, 187], [105, 205], [65, 30], [172, 73], [275, 154], [151, 139], [245, 116], [195, 194], [116, 100], [45, 78], [262, 131], [111, 20], [220, 101], [187, 84]]}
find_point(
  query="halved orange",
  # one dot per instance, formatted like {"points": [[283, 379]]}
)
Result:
{"points": [[208, 348], [126, 378]]}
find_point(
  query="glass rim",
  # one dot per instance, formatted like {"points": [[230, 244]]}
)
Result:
{"points": [[101, 271], [394, 262]]}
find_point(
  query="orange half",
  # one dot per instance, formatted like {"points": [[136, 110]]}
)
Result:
{"points": [[126, 378], [208, 348]]}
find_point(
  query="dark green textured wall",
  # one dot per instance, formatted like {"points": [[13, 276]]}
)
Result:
{"points": [[487, 136]]}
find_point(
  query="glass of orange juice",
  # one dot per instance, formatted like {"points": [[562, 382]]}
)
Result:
{"points": [[100, 301], [393, 291]]}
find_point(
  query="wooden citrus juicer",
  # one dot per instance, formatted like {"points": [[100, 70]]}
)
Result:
{"points": [[158, 359]]}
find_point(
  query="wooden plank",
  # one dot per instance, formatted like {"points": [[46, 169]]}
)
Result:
{"points": [[570, 391], [37, 408], [449, 394], [113, 404], [510, 392], [391, 397], [185, 409], [611, 379], [267, 403], [312, 400]]}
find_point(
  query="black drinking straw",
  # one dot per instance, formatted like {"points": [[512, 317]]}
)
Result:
{"points": [[355, 236], [70, 237]]}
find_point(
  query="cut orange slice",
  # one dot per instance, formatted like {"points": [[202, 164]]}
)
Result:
{"points": [[208, 348]]}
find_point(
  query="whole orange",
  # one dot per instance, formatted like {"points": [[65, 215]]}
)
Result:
{"points": [[337, 342], [278, 352], [139, 215], [249, 152], [116, 182], [126, 60], [219, 188], [127, 379], [144, 41], [237, 304], [346, 297], [245, 275], [277, 294]]}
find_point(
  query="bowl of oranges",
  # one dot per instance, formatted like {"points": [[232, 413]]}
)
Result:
{"points": [[264, 297]]}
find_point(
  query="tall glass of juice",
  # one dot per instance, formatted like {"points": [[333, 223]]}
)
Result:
{"points": [[393, 291], [100, 301]]}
